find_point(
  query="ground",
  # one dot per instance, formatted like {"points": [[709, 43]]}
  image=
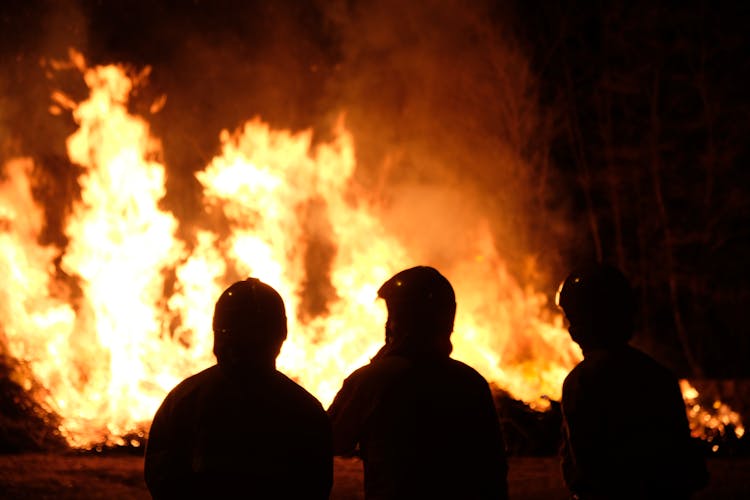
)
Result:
{"points": [[71, 476]]}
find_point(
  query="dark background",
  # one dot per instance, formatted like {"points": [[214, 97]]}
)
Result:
{"points": [[655, 114], [607, 130]]}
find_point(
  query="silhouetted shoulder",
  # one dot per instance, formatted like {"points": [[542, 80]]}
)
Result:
{"points": [[383, 372], [466, 371], [298, 393], [648, 363], [625, 364], [378, 370], [194, 386]]}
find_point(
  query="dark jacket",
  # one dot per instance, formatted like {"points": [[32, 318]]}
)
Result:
{"points": [[426, 427], [248, 435], [626, 433]]}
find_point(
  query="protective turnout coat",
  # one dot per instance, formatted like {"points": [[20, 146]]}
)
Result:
{"points": [[626, 432], [239, 435], [425, 427]]}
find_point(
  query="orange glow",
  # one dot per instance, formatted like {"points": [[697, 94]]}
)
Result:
{"points": [[97, 328], [712, 421], [108, 354]]}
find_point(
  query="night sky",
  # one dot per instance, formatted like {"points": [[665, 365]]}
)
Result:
{"points": [[625, 125]]}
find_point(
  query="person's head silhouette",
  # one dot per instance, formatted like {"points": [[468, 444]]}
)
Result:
{"points": [[599, 304], [249, 324], [240, 427], [421, 310]]}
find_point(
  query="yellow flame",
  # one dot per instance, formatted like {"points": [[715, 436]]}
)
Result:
{"points": [[127, 313], [714, 420]]}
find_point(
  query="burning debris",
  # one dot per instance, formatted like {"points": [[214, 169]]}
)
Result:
{"points": [[713, 421], [112, 314], [100, 320], [25, 425], [534, 429]]}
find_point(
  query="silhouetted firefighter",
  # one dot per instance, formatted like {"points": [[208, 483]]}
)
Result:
{"points": [[241, 428], [425, 424], [625, 432]]}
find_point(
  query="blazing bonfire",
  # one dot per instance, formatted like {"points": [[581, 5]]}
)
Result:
{"points": [[99, 329]]}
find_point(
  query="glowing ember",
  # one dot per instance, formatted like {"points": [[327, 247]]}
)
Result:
{"points": [[712, 422], [112, 321]]}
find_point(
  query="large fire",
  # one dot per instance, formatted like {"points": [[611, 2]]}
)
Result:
{"points": [[139, 319], [106, 325]]}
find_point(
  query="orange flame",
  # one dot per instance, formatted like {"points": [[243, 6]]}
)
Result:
{"points": [[108, 353], [708, 423]]}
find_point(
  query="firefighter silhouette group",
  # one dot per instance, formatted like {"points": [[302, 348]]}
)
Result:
{"points": [[425, 425]]}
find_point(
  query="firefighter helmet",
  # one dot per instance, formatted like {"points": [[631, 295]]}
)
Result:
{"points": [[598, 298], [420, 286], [420, 301], [249, 315]]}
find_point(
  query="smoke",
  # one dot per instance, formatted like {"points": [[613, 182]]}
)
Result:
{"points": [[442, 102], [451, 158], [439, 96]]}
